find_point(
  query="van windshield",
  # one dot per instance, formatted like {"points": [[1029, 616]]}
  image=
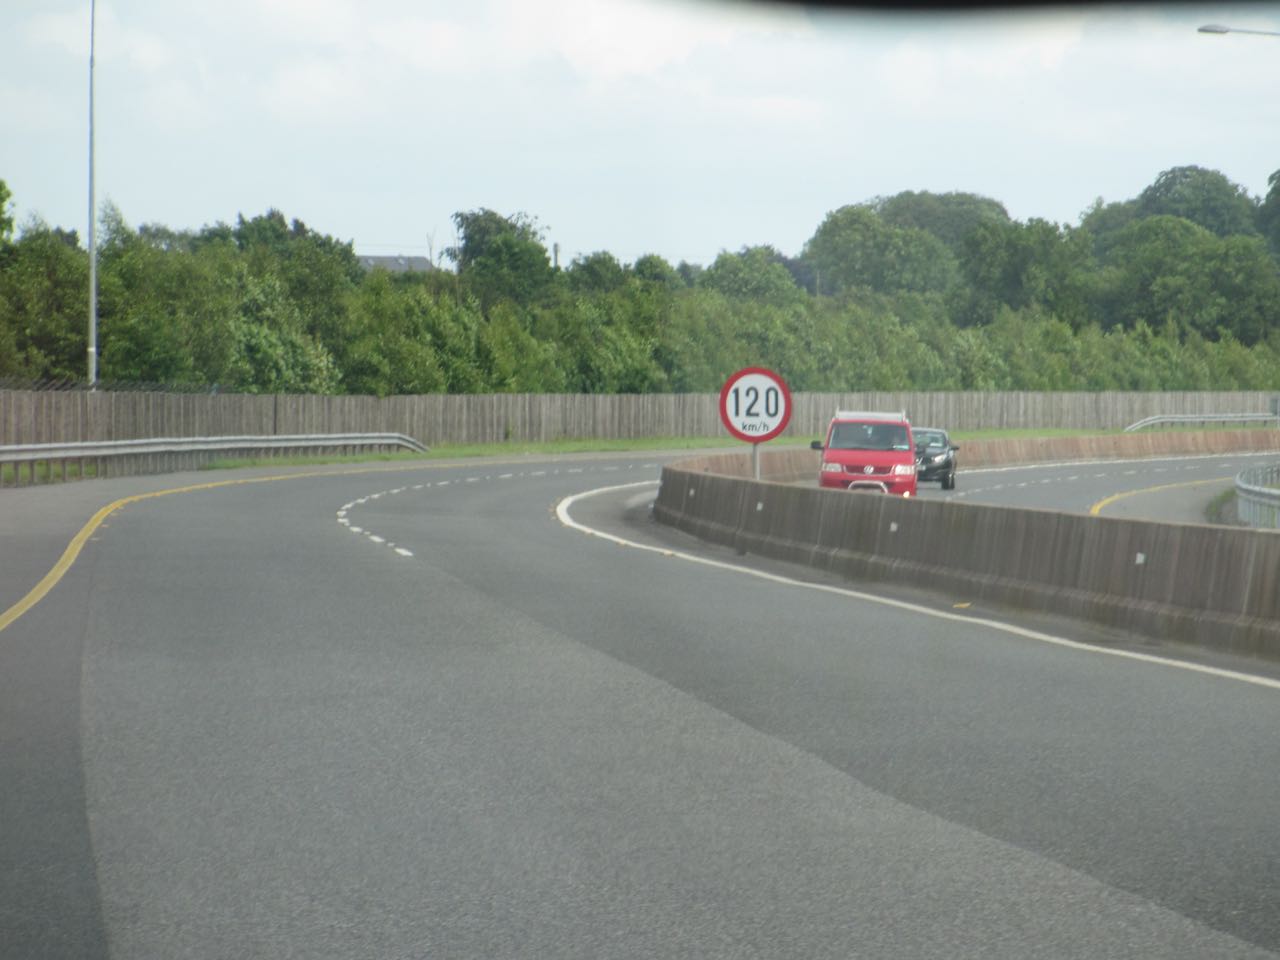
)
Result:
{"points": [[869, 436]]}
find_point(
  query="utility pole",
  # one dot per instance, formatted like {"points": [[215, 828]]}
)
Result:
{"points": [[93, 233]]}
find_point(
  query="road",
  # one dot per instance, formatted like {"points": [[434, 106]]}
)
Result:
{"points": [[1170, 491], [407, 712]]}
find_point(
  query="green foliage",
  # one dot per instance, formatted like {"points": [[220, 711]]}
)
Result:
{"points": [[1177, 289], [271, 353], [854, 247], [652, 269], [44, 305], [596, 273], [1269, 213], [1020, 264], [1204, 197], [479, 230], [6, 215], [514, 360], [756, 273], [1167, 270], [951, 217]]}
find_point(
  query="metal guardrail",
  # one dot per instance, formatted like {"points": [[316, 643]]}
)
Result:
{"points": [[168, 454], [1176, 418], [1258, 496]]}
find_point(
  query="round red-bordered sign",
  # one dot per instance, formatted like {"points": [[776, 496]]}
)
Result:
{"points": [[755, 405]]}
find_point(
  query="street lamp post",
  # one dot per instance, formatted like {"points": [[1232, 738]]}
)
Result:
{"points": [[93, 242], [1219, 28]]}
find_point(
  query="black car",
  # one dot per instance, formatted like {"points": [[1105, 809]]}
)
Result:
{"points": [[935, 456]]}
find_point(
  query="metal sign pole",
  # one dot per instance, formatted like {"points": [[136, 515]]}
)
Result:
{"points": [[93, 244]]}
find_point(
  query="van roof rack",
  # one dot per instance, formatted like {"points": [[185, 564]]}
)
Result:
{"points": [[871, 415]]}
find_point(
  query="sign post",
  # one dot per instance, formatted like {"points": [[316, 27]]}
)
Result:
{"points": [[755, 406]]}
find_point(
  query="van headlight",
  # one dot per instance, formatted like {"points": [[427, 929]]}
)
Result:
{"points": [[904, 469], [833, 468]]}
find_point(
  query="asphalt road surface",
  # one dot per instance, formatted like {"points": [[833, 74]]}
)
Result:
{"points": [[1170, 491], [409, 713]]}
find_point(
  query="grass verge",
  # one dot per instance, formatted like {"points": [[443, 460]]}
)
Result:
{"points": [[454, 451], [1222, 509]]}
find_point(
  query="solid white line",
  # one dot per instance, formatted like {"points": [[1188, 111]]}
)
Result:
{"points": [[562, 512]]}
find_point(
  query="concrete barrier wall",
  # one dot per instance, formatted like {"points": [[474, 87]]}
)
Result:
{"points": [[1204, 585]]}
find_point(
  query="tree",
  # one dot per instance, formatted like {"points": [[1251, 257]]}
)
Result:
{"points": [[501, 257], [1104, 221], [951, 217], [755, 273], [1204, 197], [391, 351], [6, 215], [145, 288], [854, 247], [653, 269], [319, 272], [513, 359], [44, 304], [271, 353], [598, 272], [1167, 270], [1269, 213], [479, 229], [1023, 264]]}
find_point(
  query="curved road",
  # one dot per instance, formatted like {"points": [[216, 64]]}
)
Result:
{"points": [[407, 712], [1177, 490]]}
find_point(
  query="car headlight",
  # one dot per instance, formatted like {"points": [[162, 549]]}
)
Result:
{"points": [[904, 469], [940, 458]]}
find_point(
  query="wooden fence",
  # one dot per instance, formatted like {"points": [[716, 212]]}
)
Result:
{"points": [[68, 416]]}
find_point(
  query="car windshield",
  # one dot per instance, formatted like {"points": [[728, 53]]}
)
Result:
{"points": [[464, 490], [869, 436]]}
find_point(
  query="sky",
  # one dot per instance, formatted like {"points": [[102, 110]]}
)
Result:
{"points": [[683, 128]]}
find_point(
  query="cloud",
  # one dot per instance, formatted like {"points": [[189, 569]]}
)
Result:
{"points": [[627, 38], [35, 109], [114, 40], [68, 32], [428, 45], [320, 89], [307, 23], [985, 59]]}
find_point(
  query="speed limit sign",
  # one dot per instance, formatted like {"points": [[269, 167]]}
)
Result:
{"points": [[755, 405]]}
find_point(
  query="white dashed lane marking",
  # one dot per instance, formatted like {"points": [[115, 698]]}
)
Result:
{"points": [[342, 518]]}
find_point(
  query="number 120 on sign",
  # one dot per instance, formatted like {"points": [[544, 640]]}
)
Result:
{"points": [[755, 405]]}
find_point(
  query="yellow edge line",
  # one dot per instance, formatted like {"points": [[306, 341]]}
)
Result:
{"points": [[50, 579], [1101, 505]]}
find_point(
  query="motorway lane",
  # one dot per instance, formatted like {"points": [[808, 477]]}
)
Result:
{"points": [[1175, 490], [509, 739]]}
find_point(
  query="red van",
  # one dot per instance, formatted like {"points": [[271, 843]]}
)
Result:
{"points": [[868, 451]]}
